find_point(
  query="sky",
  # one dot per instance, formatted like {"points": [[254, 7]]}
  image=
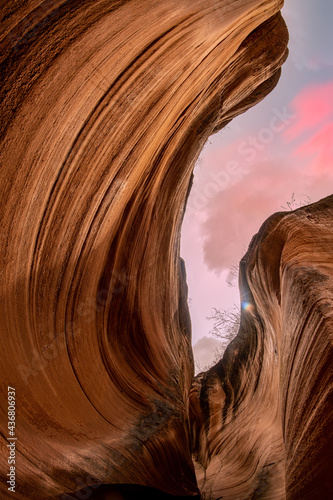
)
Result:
{"points": [[280, 150]]}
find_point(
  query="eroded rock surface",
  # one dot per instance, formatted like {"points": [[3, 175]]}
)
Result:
{"points": [[105, 107], [262, 417]]}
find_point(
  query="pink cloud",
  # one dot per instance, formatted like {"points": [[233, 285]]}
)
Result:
{"points": [[237, 213], [242, 183], [305, 146], [312, 107], [319, 149], [207, 351]]}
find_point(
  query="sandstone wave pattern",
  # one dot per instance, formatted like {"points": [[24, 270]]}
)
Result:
{"points": [[105, 107]]}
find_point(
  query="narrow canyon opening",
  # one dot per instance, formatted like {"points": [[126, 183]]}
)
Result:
{"points": [[105, 106]]}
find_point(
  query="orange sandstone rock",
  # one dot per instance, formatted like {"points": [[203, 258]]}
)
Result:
{"points": [[262, 417], [105, 107]]}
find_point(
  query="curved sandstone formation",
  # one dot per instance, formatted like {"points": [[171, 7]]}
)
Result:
{"points": [[262, 418], [105, 106]]}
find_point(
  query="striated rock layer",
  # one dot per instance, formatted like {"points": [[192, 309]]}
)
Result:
{"points": [[262, 418], [105, 106]]}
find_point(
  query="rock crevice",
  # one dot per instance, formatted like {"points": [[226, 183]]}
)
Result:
{"points": [[105, 107]]}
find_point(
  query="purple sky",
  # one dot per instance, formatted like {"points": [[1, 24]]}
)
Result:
{"points": [[250, 169]]}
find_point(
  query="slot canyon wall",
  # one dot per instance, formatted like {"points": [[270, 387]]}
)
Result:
{"points": [[105, 107], [262, 418]]}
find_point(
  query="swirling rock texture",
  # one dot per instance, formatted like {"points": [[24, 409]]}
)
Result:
{"points": [[262, 417], [105, 106]]}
